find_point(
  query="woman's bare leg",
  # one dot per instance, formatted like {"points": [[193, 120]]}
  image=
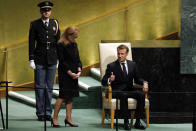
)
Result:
{"points": [[57, 108], [69, 110]]}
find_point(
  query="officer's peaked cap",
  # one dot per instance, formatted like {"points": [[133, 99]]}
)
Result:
{"points": [[45, 6]]}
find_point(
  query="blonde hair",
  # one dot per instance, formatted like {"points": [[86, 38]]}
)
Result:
{"points": [[64, 36]]}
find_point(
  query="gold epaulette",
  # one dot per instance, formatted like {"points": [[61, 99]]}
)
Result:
{"points": [[57, 26]]}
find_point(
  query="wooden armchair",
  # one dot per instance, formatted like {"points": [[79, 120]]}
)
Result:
{"points": [[108, 54]]}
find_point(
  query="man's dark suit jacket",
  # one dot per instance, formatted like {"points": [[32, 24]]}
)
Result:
{"points": [[120, 80]]}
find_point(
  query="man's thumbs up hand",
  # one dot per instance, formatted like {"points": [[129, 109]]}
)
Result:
{"points": [[112, 77]]}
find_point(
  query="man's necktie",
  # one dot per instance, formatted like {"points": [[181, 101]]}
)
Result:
{"points": [[124, 69], [46, 24]]}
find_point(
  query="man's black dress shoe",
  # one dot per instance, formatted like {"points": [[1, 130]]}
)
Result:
{"points": [[139, 126], [48, 118], [40, 118], [127, 126]]}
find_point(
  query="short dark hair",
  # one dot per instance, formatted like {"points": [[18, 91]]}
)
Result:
{"points": [[120, 47]]}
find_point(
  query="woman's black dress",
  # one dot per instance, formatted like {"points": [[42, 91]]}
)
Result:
{"points": [[69, 59]]}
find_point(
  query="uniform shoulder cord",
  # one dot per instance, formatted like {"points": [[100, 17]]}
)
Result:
{"points": [[57, 26]]}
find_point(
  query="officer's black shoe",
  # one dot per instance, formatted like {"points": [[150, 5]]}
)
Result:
{"points": [[127, 126], [138, 125], [48, 118], [40, 118]]}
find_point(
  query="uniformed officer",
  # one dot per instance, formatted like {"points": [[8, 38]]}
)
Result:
{"points": [[43, 36]]}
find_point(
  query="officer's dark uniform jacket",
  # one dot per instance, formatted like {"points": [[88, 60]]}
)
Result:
{"points": [[43, 42]]}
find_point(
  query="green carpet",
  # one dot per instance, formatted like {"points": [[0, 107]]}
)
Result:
{"points": [[23, 118]]}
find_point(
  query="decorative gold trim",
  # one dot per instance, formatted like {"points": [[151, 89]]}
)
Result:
{"points": [[155, 44], [27, 84], [167, 35], [16, 44], [124, 7], [46, 7], [148, 43]]}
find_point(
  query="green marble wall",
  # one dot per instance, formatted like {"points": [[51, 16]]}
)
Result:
{"points": [[188, 39]]}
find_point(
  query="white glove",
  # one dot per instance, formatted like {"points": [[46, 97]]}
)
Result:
{"points": [[32, 64], [57, 65]]}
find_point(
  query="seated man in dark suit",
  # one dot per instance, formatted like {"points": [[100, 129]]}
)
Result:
{"points": [[120, 74]]}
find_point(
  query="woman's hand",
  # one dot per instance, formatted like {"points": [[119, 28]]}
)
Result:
{"points": [[79, 73], [74, 76]]}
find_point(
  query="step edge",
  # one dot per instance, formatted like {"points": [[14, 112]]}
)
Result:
{"points": [[22, 97]]}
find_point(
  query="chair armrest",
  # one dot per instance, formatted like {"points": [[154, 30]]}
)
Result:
{"points": [[137, 85], [107, 90], [146, 95], [109, 93], [140, 86], [103, 92]]}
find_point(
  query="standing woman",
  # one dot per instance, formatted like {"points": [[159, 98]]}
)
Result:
{"points": [[69, 70]]}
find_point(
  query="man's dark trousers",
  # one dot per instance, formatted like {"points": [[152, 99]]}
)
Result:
{"points": [[123, 93]]}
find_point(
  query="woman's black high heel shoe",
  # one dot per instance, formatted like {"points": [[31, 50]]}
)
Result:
{"points": [[72, 125], [53, 125]]}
